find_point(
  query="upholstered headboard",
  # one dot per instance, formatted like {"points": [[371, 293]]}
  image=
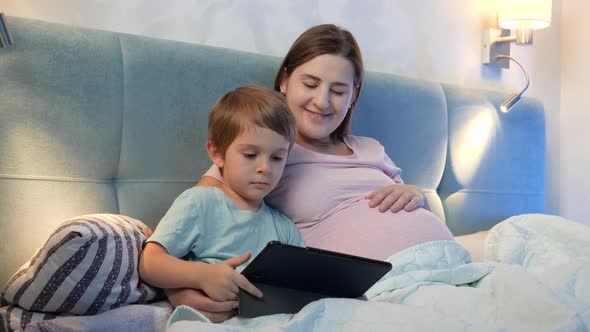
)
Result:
{"points": [[95, 121]]}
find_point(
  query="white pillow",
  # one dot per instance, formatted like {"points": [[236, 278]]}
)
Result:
{"points": [[87, 266]]}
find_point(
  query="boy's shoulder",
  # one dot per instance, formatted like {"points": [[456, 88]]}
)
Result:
{"points": [[200, 194], [202, 191], [276, 215]]}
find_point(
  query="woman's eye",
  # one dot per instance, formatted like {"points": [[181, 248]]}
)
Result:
{"points": [[310, 85], [338, 93]]}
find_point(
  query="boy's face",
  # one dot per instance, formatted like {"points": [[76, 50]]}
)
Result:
{"points": [[252, 165]]}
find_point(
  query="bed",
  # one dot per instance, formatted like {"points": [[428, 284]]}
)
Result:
{"points": [[100, 131]]}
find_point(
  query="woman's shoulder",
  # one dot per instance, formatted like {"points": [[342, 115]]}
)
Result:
{"points": [[363, 142]]}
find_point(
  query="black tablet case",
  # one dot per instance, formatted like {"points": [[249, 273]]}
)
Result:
{"points": [[290, 277]]}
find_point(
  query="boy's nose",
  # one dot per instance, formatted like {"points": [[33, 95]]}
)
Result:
{"points": [[262, 166]]}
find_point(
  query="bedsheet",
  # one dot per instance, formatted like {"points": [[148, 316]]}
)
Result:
{"points": [[134, 317], [536, 278]]}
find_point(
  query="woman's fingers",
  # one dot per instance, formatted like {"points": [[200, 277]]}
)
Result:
{"points": [[376, 197], [396, 198], [216, 311], [400, 202], [390, 200], [416, 202], [218, 317]]}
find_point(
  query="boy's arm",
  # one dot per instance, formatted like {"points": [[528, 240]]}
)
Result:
{"points": [[219, 281], [163, 270]]}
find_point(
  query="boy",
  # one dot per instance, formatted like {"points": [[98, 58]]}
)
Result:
{"points": [[216, 230]]}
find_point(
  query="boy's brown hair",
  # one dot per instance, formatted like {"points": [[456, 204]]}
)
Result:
{"points": [[246, 106]]}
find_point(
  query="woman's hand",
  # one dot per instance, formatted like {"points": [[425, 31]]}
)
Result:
{"points": [[222, 282], [396, 197], [216, 311]]}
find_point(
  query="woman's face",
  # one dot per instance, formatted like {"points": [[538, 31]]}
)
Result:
{"points": [[319, 93]]}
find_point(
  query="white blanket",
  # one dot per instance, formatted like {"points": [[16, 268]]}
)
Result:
{"points": [[536, 278]]}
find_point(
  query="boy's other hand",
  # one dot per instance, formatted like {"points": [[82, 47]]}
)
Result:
{"points": [[216, 311], [223, 282]]}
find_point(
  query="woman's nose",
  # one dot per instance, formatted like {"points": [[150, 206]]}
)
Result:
{"points": [[321, 99]]}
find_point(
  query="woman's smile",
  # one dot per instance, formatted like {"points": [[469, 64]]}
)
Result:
{"points": [[317, 116]]}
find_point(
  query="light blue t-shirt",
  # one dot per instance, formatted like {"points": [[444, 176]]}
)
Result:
{"points": [[203, 224]]}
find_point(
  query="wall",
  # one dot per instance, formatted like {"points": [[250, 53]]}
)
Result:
{"points": [[575, 112], [429, 39]]}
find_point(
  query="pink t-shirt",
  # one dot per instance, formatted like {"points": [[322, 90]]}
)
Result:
{"points": [[325, 196]]}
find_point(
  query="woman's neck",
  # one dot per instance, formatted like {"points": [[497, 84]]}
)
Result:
{"points": [[326, 146]]}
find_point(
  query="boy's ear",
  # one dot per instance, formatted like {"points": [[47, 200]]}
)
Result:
{"points": [[215, 154]]}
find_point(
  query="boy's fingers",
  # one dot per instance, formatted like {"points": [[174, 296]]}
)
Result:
{"points": [[238, 260], [231, 296], [246, 285]]}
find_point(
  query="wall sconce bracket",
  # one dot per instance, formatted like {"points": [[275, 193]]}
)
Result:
{"points": [[496, 41]]}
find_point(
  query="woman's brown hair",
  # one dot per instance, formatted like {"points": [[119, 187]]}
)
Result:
{"points": [[319, 40]]}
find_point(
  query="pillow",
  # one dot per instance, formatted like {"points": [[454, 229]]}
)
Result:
{"points": [[87, 266]]}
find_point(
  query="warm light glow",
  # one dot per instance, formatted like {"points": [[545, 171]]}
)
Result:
{"points": [[534, 14], [473, 141]]}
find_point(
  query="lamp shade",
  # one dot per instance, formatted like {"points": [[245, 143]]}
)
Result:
{"points": [[535, 14]]}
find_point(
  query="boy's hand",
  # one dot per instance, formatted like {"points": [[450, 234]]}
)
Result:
{"points": [[396, 197], [223, 282]]}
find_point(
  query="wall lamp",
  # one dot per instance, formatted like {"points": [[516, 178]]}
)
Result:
{"points": [[517, 19], [514, 98], [5, 37]]}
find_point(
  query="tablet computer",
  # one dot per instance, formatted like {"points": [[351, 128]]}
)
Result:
{"points": [[291, 277]]}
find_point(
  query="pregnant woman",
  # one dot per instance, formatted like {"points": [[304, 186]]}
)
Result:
{"points": [[342, 191]]}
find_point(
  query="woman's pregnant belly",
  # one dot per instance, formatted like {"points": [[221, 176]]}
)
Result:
{"points": [[360, 230]]}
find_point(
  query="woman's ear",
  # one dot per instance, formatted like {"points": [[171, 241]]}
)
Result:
{"points": [[355, 95], [215, 154], [283, 82]]}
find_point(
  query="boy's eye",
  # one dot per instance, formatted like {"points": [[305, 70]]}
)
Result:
{"points": [[250, 155], [277, 158]]}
